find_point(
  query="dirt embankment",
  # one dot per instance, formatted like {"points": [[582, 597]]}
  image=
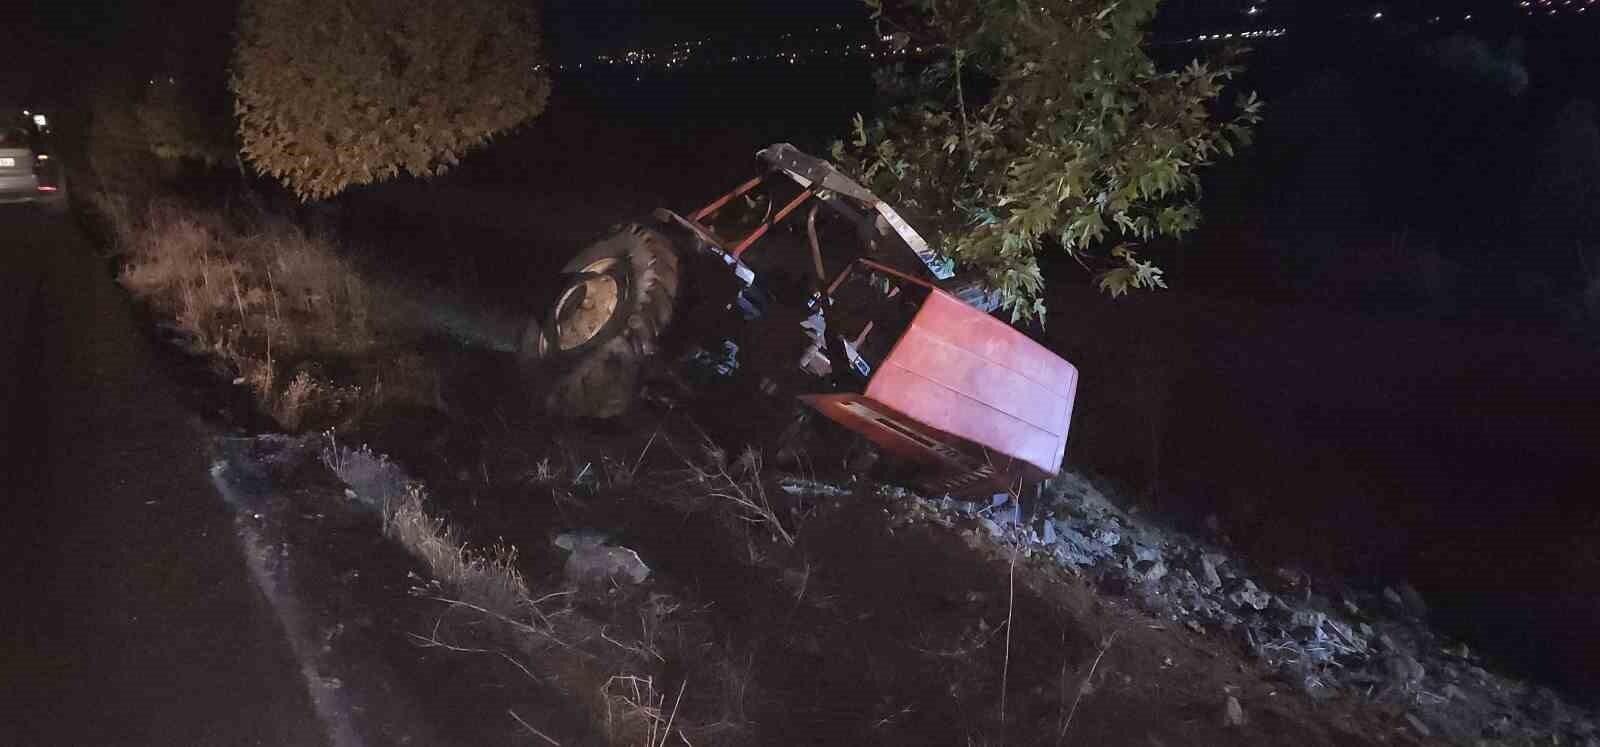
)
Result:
{"points": [[883, 622], [830, 612], [784, 602]]}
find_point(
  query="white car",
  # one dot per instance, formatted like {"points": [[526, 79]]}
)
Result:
{"points": [[19, 178]]}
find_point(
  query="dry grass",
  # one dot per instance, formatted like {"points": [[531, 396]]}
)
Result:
{"points": [[1083, 688], [738, 485], [573, 477], [284, 312], [487, 579], [607, 649], [636, 714]]}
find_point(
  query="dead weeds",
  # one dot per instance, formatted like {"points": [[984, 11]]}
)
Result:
{"points": [[739, 486], [606, 650], [282, 312]]}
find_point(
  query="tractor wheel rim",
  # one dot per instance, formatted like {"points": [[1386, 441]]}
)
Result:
{"points": [[585, 306]]}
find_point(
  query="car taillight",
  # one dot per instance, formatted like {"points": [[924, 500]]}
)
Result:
{"points": [[46, 188]]}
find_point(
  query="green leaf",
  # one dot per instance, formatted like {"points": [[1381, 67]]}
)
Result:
{"points": [[1076, 127], [1116, 282]]}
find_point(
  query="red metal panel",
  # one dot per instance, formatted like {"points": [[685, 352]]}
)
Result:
{"points": [[908, 441], [717, 204], [965, 373], [940, 362]]}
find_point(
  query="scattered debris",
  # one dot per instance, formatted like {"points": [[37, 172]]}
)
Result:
{"points": [[720, 364], [1411, 603], [592, 559], [1247, 595], [1324, 639], [1209, 579], [810, 488], [1232, 713], [1404, 671]]}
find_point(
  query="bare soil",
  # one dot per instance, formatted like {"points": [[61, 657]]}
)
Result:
{"points": [[876, 625], [879, 625]]}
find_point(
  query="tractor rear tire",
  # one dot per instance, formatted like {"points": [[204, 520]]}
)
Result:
{"points": [[585, 355]]}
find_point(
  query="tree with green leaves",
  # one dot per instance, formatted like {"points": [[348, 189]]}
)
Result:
{"points": [[335, 93], [1047, 124]]}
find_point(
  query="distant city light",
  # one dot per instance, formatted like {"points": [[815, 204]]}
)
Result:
{"points": [[39, 120], [792, 49], [1551, 8], [1256, 34]]}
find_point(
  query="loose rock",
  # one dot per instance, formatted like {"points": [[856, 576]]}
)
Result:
{"points": [[1151, 570], [592, 560], [1325, 638], [1142, 552], [1307, 619], [1232, 713], [1247, 595], [1207, 572], [1411, 602], [1404, 671]]}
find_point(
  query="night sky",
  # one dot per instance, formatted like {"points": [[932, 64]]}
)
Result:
{"points": [[55, 28], [57, 40], [581, 28]]}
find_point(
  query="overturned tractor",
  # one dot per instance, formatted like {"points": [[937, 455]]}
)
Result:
{"points": [[867, 326]]}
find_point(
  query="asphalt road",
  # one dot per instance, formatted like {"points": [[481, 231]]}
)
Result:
{"points": [[127, 612]]}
